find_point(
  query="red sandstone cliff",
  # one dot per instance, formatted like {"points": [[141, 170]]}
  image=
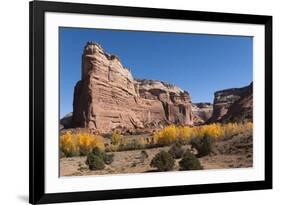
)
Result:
{"points": [[108, 97]]}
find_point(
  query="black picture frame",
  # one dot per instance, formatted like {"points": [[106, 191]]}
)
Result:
{"points": [[37, 102]]}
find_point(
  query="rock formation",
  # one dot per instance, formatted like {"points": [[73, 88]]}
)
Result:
{"points": [[202, 112], [234, 104], [108, 97], [66, 121]]}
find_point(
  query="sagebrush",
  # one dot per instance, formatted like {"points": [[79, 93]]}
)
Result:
{"points": [[163, 161], [189, 162], [176, 150]]}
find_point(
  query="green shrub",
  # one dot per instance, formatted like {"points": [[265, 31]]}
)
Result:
{"points": [[204, 145], [189, 162], [98, 152], [108, 158], [163, 161], [94, 162], [97, 158], [176, 150]]}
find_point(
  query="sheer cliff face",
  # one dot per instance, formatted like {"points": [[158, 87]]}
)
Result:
{"points": [[108, 98], [234, 104]]}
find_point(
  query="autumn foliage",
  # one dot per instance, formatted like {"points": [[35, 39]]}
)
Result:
{"points": [[80, 143], [184, 134]]}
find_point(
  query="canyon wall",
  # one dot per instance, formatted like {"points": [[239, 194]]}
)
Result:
{"points": [[202, 112], [108, 97], [234, 104]]}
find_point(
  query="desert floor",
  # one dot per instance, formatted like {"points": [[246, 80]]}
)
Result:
{"points": [[235, 152]]}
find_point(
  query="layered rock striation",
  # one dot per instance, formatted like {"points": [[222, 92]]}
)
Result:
{"points": [[108, 97], [234, 104]]}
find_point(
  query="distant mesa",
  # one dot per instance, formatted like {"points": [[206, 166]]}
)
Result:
{"points": [[109, 98]]}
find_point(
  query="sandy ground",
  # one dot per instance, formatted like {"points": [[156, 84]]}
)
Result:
{"points": [[235, 152]]}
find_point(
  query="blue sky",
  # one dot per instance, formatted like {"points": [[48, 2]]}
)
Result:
{"points": [[200, 64]]}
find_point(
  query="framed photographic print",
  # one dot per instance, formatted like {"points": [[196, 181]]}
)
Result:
{"points": [[141, 102]]}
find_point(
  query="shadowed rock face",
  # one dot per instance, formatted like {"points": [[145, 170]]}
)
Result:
{"points": [[108, 97], [234, 104]]}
